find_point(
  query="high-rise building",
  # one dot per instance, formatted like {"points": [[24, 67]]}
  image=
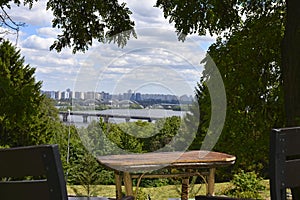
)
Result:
{"points": [[79, 95], [57, 95]]}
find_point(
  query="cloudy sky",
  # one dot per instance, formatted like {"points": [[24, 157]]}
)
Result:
{"points": [[155, 62]]}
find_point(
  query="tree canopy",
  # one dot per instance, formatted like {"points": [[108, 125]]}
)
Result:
{"points": [[201, 16], [253, 80]]}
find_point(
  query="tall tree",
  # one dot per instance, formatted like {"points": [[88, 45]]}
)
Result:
{"points": [[249, 62], [26, 117]]}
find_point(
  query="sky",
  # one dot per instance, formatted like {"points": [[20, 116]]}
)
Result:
{"points": [[156, 62]]}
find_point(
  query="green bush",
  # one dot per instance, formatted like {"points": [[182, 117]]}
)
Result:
{"points": [[245, 185], [141, 195]]}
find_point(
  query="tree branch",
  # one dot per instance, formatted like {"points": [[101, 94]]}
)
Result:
{"points": [[7, 22]]}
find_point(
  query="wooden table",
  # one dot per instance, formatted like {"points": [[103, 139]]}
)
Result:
{"points": [[149, 165]]}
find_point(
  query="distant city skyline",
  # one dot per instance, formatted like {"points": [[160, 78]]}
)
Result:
{"points": [[132, 91], [69, 94]]}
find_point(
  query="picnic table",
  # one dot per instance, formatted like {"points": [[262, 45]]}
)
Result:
{"points": [[150, 165]]}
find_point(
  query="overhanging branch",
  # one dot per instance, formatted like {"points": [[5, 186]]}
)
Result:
{"points": [[7, 22]]}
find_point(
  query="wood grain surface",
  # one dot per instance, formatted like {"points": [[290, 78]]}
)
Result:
{"points": [[189, 158]]}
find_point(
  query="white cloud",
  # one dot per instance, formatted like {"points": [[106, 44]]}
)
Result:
{"points": [[48, 32], [36, 42], [36, 16], [145, 14]]}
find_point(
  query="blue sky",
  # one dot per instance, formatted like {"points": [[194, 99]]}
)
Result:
{"points": [[156, 62]]}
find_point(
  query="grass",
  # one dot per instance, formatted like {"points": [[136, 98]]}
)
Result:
{"points": [[163, 192]]}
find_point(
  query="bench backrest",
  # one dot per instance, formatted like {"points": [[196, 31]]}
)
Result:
{"points": [[284, 162], [33, 173]]}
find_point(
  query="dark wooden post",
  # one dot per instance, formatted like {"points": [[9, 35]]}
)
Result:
{"points": [[185, 188], [118, 179]]}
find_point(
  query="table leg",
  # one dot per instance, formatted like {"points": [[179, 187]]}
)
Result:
{"points": [[211, 182], [118, 180], [128, 184], [185, 189]]}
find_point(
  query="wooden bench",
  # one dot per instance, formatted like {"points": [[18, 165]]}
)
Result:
{"points": [[33, 173], [285, 162]]}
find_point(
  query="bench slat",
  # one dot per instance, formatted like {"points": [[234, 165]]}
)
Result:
{"points": [[24, 189]]}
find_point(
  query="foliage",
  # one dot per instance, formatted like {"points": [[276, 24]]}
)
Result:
{"points": [[246, 185], [251, 73], [165, 130], [76, 149], [258, 24], [77, 171], [26, 117], [153, 182], [121, 136], [200, 115], [141, 195], [200, 16], [102, 138], [87, 174], [83, 21], [137, 137]]}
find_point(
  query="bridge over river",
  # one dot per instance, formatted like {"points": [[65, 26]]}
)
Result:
{"points": [[127, 114]]}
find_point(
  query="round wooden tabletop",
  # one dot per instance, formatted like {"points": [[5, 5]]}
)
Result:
{"points": [[166, 159]]}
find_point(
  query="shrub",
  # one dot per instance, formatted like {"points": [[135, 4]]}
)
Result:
{"points": [[246, 185]]}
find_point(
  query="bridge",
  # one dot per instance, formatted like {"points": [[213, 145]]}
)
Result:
{"points": [[127, 114]]}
